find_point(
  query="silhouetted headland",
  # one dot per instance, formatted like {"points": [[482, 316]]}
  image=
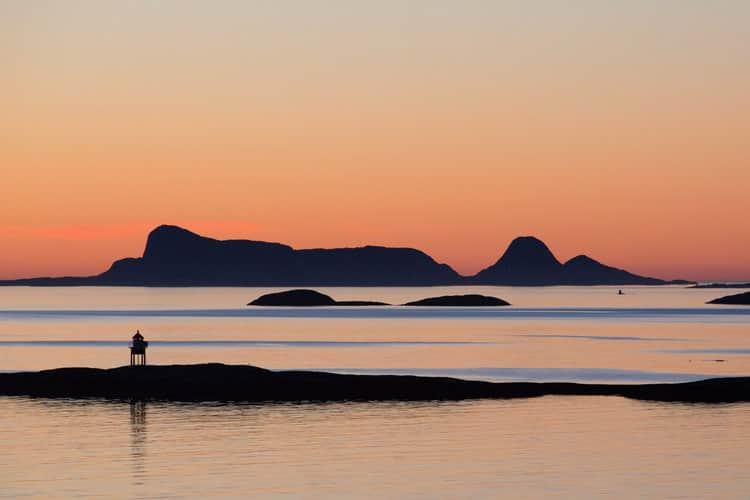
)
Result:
{"points": [[218, 382], [471, 300], [177, 257], [742, 299], [307, 298]]}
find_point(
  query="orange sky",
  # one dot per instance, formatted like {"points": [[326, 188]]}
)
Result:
{"points": [[620, 131]]}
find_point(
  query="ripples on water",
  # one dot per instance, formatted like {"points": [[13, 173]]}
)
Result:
{"points": [[552, 447]]}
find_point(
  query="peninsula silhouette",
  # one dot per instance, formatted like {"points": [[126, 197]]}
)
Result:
{"points": [[177, 257], [218, 382]]}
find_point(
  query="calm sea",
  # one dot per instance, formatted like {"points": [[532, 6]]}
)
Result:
{"points": [[552, 447]]}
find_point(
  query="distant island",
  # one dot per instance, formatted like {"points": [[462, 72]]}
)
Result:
{"points": [[313, 298], [218, 382], [177, 257], [307, 298], [742, 299], [470, 300], [721, 285]]}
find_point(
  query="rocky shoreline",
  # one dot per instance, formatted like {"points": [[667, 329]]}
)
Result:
{"points": [[219, 382]]}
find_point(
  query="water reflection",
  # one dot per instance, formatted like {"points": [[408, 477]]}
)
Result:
{"points": [[138, 441]]}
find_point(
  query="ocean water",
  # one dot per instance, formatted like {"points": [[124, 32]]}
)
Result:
{"points": [[551, 447]]}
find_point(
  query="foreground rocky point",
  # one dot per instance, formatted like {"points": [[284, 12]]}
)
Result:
{"points": [[740, 299], [218, 382]]}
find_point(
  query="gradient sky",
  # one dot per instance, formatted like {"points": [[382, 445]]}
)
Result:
{"points": [[618, 129]]}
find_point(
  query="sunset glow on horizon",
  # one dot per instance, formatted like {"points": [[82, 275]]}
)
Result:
{"points": [[616, 130]]}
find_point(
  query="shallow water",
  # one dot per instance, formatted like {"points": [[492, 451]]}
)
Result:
{"points": [[551, 447]]}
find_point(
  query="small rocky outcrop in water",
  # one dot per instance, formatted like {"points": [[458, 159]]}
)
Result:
{"points": [[472, 300], [297, 298], [306, 298], [742, 299]]}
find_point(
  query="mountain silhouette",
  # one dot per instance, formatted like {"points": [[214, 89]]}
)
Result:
{"points": [[177, 257], [527, 261], [583, 270]]}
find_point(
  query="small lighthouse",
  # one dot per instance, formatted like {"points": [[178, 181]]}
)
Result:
{"points": [[138, 350]]}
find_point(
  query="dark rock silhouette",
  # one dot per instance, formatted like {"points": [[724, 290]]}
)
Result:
{"points": [[529, 262], [217, 382], [177, 257], [297, 298], [742, 299], [306, 298], [583, 270], [460, 301]]}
